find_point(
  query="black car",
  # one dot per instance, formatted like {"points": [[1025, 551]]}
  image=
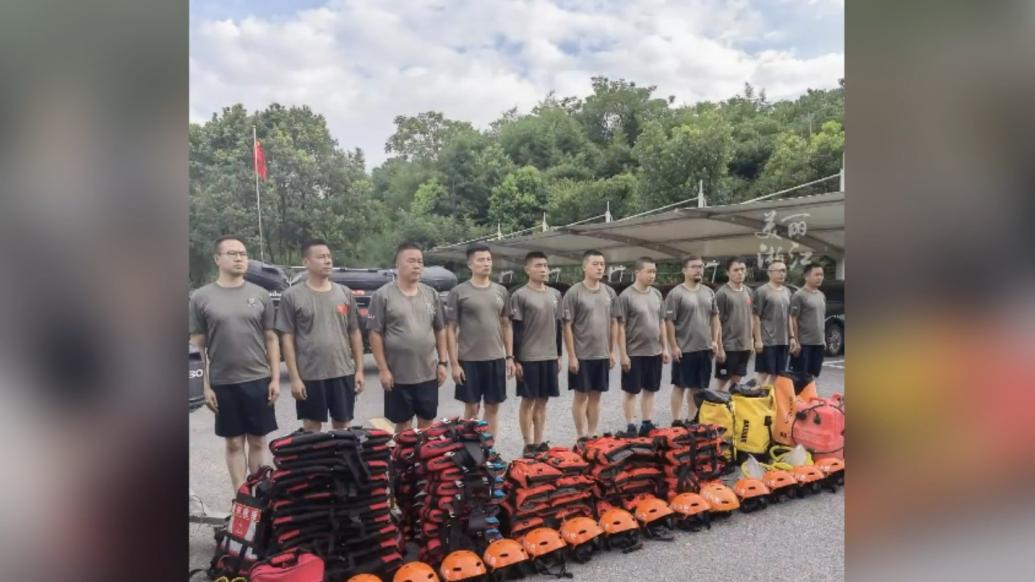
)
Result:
{"points": [[272, 278], [195, 378], [835, 321]]}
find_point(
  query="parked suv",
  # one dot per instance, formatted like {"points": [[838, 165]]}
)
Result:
{"points": [[272, 278]]}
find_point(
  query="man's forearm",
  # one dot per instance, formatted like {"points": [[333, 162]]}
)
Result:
{"points": [[670, 330], [440, 343], [288, 341], [792, 326], [569, 341], [451, 348], [508, 336], [356, 338], [273, 355], [620, 340], [377, 346], [716, 330]]}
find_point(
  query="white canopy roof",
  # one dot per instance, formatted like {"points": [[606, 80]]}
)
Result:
{"points": [[789, 226]]}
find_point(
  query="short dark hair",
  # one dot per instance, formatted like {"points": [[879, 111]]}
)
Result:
{"points": [[535, 255], [807, 269], [313, 242], [643, 262], [734, 260], [689, 258], [224, 238], [477, 248], [407, 245], [591, 253]]}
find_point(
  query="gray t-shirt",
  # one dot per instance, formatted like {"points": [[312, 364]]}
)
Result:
{"points": [[642, 314], [590, 313], [321, 322], [234, 321], [735, 315], [691, 314], [539, 312], [810, 307], [771, 306], [408, 326], [477, 312]]}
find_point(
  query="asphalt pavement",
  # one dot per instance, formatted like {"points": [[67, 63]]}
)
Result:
{"points": [[793, 541]]}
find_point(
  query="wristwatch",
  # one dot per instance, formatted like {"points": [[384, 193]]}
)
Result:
{"points": [[443, 364], [510, 357]]}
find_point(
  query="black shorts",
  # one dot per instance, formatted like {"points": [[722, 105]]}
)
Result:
{"points": [[406, 400], [809, 360], [693, 371], [538, 380], [645, 374], [772, 360], [593, 375], [736, 364], [243, 409], [334, 395], [483, 381]]}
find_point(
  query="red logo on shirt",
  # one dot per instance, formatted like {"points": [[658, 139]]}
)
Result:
{"points": [[343, 309]]}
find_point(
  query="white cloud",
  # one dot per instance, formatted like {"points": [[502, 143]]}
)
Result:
{"points": [[362, 63]]}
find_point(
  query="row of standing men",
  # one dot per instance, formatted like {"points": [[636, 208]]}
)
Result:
{"points": [[482, 335]]}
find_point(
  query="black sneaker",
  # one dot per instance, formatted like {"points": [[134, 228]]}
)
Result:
{"points": [[678, 424], [528, 451], [645, 428], [629, 432], [543, 447]]}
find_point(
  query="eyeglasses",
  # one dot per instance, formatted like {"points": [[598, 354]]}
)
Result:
{"points": [[225, 579], [235, 254]]}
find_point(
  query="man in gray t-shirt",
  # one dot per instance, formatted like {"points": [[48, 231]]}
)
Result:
{"points": [[808, 312], [231, 323], [408, 339], [692, 324], [770, 305], [590, 330], [734, 302], [535, 314], [478, 336], [322, 342], [642, 345]]}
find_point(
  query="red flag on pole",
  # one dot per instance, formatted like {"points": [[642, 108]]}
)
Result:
{"points": [[260, 160]]}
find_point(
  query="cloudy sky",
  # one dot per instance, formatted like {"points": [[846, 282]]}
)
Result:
{"points": [[362, 62]]}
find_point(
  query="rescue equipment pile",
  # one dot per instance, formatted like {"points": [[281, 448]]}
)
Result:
{"points": [[545, 490], [448, 485], [330, 496], [690, 455]]}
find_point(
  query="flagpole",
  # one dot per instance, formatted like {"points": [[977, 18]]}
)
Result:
{"points": [[258, 204]]}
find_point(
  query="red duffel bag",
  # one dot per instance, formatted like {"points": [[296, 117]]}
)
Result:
{"points": [[289, 567]]}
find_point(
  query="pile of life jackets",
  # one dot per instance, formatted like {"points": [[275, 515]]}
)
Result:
{"points": [[448, 483], [625, 470], [690, 455], [329, 497], [545, 490]]}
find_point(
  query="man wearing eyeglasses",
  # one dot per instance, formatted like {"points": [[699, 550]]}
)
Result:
{"points": [[771, 306], [231, 323]]}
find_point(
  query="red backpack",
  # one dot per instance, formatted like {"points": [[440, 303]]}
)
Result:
{"points": [[244, 540], [819, 426], [289, 567]]}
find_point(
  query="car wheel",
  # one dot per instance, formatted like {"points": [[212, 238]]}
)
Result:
{"points": [[835, 336]]}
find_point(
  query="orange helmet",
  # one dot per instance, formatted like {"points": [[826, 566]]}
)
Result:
{"points": [[692, 510], [461, 565], [415, 572], [688, 504], [719, 497], [504, 553], [778, 479], [364, 578], [810, 477], [748, 488], [579, 530], [652, 509], [616, 520], [542, 541]]}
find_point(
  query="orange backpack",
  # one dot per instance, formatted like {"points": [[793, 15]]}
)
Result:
{"points": [[790, 391]]}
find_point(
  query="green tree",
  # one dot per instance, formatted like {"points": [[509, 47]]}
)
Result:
{"points": [[519, 201]]}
